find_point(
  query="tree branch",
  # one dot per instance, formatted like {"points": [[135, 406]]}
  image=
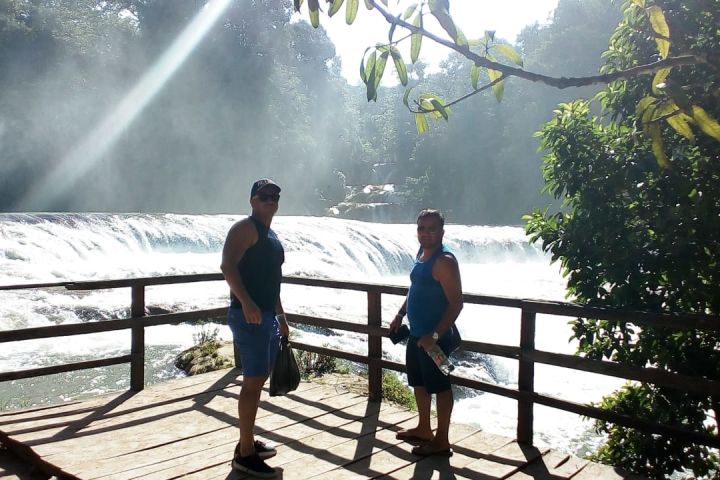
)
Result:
{"points": [[458, 100], [556, 82]]}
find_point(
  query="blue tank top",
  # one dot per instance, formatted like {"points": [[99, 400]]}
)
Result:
{"points": [[261, 269], [426, 300]]}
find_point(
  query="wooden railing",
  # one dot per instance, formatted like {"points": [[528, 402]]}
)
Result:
{"points": [[526, 353]]}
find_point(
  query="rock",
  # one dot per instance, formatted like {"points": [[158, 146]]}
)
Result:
{"points": [[207, 357]]}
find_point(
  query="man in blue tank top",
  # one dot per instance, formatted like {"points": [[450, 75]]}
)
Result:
{"points": [[252, 261], [433, 304]]}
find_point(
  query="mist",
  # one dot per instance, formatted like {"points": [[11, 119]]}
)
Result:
{"points": [[261, 96]]}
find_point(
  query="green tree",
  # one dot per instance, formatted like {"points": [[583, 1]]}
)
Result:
{"points": [[639, 229]]}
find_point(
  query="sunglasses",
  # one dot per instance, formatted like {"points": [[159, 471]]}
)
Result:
{"points": [[430, 230], [269, 197]]}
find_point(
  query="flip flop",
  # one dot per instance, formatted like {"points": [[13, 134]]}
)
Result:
{"points": [[409, 437], [427, 450]]}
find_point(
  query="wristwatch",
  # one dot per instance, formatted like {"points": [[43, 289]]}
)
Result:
{"points": [[435, 336]]}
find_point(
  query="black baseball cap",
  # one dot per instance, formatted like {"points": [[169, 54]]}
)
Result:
{"points": [[263, 183]]}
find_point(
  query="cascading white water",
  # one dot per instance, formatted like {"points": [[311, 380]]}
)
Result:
{"points": [[38, 248]]}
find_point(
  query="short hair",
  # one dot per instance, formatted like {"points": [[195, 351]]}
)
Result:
{"points": [[429, 212]]}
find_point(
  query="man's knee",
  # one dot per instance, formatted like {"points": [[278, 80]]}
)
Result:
{"points": [[253, 383]]}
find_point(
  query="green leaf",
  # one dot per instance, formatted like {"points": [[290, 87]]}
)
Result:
{"points": [[706, 123], [399, 65], [314, 7], [639, 3], [660, 26], [461, 39], [661, 110], [409, 11], [427, 102], [416, 39], [510, 53], [380, 67], [440, 10], [370, 86], [658, 82], [335, 7], [351, 11], [681, 125], [657, 145], [407, 95], [440, 108], [476, 42], [643, 105], [363, 75], [421, 124], [370, 67], [498, 89], [474, 76], [679, 97]]}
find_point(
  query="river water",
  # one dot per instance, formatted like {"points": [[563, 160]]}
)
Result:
{"points": [[494, 260]]}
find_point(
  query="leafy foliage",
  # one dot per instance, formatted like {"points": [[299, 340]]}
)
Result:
{"points": [[315, 364], [652, 15], [638, 230], [394, 390]]}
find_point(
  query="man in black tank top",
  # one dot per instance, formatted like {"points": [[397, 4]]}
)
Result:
{"points": [[252, 265]]}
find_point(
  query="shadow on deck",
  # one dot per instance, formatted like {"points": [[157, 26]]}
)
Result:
{"points": [[187, 428]]}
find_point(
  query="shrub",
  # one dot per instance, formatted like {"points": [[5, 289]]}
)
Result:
{"points": [[394, 390]]}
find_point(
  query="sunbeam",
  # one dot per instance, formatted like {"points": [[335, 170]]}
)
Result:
{"points": [[78, 161]]}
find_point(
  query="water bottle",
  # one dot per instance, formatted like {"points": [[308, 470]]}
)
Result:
{"points": [[440, 359]]}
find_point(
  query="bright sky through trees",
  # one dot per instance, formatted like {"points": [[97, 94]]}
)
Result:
{"points": [[506, 17]]}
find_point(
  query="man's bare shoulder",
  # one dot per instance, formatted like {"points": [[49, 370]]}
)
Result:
{"points": [[243, 231], [445, 265], [243, 224], [447, 259]]}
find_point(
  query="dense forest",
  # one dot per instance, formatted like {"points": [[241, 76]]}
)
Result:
{"points": [[262, 95]]}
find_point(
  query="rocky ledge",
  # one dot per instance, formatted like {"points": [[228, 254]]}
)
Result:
{"points": [[207, 357]]}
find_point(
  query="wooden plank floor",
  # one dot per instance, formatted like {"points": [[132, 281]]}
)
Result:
{"points": [[187, 428]]}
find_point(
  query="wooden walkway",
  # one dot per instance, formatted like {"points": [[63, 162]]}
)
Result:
{"points": [[187, 428]]}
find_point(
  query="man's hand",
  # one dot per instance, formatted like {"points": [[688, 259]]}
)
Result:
{"points": [[395, 324], [426, 342], [252, 313]]}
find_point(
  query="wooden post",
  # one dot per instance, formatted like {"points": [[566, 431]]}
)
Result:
{"points": [[526, 378], [374, 347], [137, 343]]}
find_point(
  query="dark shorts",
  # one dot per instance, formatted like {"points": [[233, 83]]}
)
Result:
{"points": [[258, 344], [422, 371]]}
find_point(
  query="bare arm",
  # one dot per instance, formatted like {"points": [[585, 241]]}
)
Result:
{"points": [[447, 272], [397, 321], [240, 238]]}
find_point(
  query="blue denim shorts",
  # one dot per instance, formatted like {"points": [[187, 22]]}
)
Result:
{"points": [[258, 344]]}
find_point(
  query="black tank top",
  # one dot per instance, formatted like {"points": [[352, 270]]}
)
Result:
{"points": [[261, 269]]}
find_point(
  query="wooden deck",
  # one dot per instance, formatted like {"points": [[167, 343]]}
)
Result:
{"points": [[187, 428]]}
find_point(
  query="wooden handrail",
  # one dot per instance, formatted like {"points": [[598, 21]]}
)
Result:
{"points": [[525, 353]]}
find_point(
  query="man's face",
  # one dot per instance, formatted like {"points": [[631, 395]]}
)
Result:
{"points": [[266, 200], [430, 232]]}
